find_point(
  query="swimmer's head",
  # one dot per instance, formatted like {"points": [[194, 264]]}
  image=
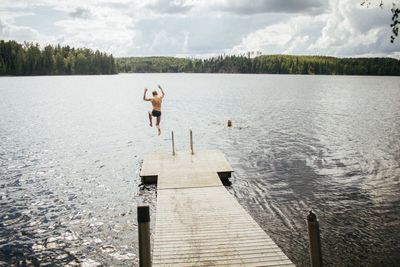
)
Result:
{"points": [[155, 93]]}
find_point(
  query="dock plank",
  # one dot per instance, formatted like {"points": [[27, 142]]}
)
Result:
{"points": [[198, 222], [184, 169]]}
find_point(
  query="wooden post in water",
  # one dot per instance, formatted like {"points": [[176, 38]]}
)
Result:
{"points": [[315, 241], [191, 141], [143, 217], [173, 143]]}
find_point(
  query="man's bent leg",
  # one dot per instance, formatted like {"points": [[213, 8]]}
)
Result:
{"points": [[158, 124], [150, 119]]}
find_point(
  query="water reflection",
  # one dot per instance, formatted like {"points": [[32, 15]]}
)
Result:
{"points": [[70, 157]]}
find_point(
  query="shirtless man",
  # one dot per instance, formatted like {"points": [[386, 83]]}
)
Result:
{"points": [[156, 102]]}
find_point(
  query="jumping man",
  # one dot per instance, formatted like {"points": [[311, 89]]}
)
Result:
{"points": [[156, 102]]}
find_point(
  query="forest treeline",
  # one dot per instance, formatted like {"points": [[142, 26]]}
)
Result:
{"points": [[30, 59], [274, 64]]}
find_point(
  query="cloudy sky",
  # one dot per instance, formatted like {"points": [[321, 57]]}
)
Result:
{"points": [[204, 28]]}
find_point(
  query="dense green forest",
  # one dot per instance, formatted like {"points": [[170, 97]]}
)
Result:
{"points": [[30, 59], [274, 64]]}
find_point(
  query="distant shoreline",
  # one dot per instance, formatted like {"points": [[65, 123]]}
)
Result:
{"points": [[262, 64], [61, 75], [222, 73], [28, 59]]}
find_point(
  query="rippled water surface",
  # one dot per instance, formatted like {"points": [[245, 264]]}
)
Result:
{"points": [[71, 149]]}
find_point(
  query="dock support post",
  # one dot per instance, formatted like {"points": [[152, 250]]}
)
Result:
{"points": [[143, 217], [315, 241], [173, 143], [191, 141]]}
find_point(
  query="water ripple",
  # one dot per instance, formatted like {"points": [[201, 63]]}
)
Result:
{"points": [[70, 157]]}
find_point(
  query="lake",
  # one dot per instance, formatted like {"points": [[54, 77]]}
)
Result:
{"points": [[71, 148]]}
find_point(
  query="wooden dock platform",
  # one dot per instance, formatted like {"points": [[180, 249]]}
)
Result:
{"points": [[198, 222]]}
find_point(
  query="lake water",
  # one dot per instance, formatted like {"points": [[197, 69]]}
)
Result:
{"points": [[71, 149]]}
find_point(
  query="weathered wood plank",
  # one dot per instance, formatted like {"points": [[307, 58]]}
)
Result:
{"points": [[189, 212], [198, 222], [184, 169]]}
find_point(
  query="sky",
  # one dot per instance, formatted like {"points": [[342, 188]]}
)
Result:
{"points": [[195, 28]]}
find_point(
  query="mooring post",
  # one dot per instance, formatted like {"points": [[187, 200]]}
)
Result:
{"points": [[315, 241], [143, 217], [191, 141], [173, 143]]}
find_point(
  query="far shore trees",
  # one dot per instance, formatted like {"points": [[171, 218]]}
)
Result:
{"points": [[30, 59], [273, 64]]}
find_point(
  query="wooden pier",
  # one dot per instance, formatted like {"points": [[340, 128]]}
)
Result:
{"points": [[198, 222]]}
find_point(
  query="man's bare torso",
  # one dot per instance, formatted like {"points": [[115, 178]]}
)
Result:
{"points": [[156, 102]]}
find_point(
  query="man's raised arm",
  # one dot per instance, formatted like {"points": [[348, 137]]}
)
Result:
{"points": [[144, 95], [162, 91]]}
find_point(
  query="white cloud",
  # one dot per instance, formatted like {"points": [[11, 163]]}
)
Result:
{"points": [[291, 37], [343, 35], [103, 30], [273, 38], [19, 33], [245, 7], [194, 27], [10, 31], [170, 7], [338, 28], [338, 32]]}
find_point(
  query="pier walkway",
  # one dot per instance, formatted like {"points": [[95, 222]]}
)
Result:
{"points": [[198, 222]]}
